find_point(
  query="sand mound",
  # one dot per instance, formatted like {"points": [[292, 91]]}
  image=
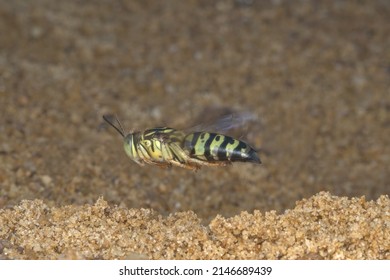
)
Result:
{"points": [[322, 227]]}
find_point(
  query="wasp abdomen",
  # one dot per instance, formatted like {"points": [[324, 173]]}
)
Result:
{"points": [[213, 147]]}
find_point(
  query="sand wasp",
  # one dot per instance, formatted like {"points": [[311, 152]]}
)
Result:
{"points": [[165, 146]]}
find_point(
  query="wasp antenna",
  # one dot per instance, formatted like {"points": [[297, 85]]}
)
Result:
{"points": [[120, 129]]}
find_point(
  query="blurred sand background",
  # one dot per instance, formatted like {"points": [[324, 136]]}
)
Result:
{"points": [[315, 73]]}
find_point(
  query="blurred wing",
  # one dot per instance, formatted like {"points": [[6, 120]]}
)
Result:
{"points": [[225, 123]]}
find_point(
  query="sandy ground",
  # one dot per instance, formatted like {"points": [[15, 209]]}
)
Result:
{"points": [[315, 73], [322, 227]]}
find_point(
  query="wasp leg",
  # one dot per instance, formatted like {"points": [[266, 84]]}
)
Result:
{"points": [[180, 158], [186, 166], [164, 165], [209, 163]]}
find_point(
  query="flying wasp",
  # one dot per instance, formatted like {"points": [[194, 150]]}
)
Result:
{"points": [[166, 147]]}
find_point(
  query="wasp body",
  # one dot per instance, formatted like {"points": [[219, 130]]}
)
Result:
{"points": [[165, 147], [214, 147]]}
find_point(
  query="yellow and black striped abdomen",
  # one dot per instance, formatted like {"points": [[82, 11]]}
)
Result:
{"points": [[213, 147]]}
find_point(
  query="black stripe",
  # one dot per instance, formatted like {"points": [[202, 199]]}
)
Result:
{"points": [[156, 131], [193, 142], [207, 151], [222, 153], [152, 146], [236, 154]]}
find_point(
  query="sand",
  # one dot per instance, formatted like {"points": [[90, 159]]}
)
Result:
{"points": [[322, 227], [315, 74]]}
